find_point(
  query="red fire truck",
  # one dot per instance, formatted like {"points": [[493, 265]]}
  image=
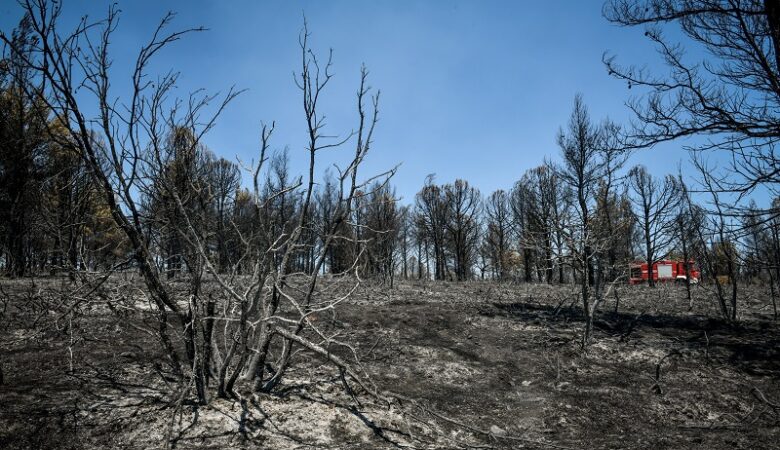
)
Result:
{"points": [[664, 271]]}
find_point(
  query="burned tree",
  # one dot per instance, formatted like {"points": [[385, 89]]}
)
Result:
{"points": [[655, 204], [464, 205], [583, 166], [732, 97], [520, 226], [223, 182], [689, 220], [154, 147], [432, 217], [613, 220], [535, 206], [498, 233], [23, 122], [380, 228], [718, 242], [405, 241]]}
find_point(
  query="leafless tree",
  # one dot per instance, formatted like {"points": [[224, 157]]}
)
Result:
{"points": [[462, 227], [431, 207], [381, 226], [612, 216], [498, 233], [773, 255], [71, 213], [759, 246], [224, 179], [148, 143], [584, 165], [732, 95], [655, 203], [405, 239], [718, 241], [689, 220], [540, 207], [519, 203]]}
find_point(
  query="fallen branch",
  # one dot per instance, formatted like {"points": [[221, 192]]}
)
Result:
{"points": [[762, 398], [343, 365]]}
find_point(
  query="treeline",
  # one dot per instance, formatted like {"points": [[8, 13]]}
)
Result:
{"points": [[580, 218], [588, 215]]}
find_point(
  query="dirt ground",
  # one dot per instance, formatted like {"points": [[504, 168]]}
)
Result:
{"points": [[476, 364]]}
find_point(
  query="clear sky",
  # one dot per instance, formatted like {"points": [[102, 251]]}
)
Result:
{"points": [[470, 89]]}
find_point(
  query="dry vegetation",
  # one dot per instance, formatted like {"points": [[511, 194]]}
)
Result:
{"points": [[474, 364], [191, 306]]}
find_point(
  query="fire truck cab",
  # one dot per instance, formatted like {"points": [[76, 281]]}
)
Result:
{"points": [[664, 271]]}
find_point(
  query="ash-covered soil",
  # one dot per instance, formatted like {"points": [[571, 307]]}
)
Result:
{"points": [[475, 365]]}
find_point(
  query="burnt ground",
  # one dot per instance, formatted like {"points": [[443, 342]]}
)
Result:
{"points": [[476, 357]]}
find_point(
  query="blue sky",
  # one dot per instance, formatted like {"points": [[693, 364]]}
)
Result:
{"points": [[470, 89]]}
